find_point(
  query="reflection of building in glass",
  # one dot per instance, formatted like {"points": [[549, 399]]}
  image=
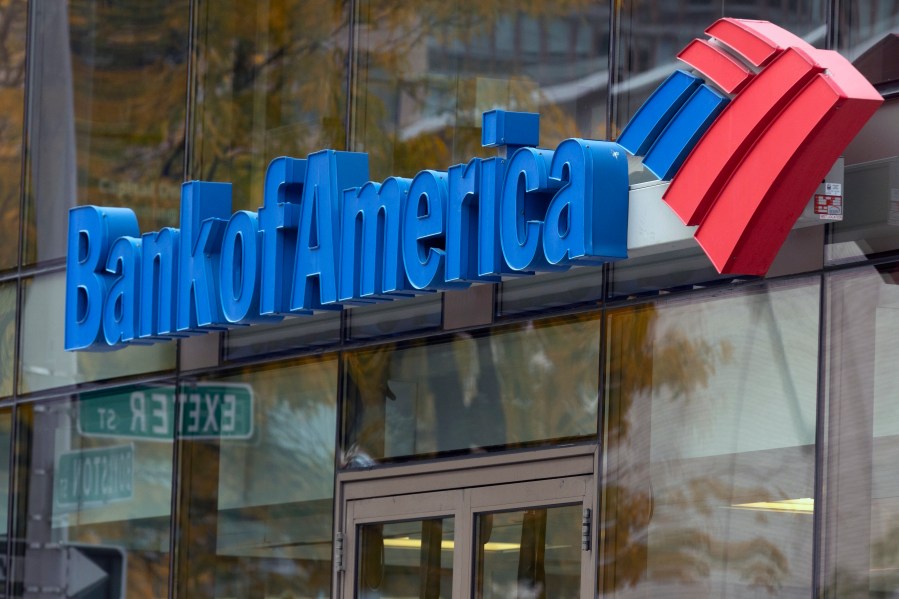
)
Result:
{"points": [[643, 428]]}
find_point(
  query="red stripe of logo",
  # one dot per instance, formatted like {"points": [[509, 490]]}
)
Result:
{"points": [[707, 168], [750, 176], [727, 72], [758, 206]]}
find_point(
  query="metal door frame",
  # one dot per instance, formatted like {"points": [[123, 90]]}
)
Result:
{"points": [[463, 488]]}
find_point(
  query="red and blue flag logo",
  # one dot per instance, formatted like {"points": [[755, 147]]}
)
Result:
{"points": [[746, 145]]}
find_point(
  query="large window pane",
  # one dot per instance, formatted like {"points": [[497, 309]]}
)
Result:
{"points": [[94, 511], [871, 221], [106, 115], [422, 313], [427, 70], [257, 482], [529, 553], [709, 441], [535, 381], [651, 35], [406, 559], [291, 334], [45, 364], [7, 337], [12, 85], [861, 510], [868, 36], [550, 290], [268, 81], [6, 427]]}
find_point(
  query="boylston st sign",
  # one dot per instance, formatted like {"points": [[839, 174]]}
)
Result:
{"points": [[94, 476]]}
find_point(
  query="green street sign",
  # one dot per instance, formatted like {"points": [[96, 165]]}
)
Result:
{"points": [[94, 476], [204, 412]]}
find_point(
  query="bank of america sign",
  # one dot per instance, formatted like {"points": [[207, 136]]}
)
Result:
{"points": [[744, 146]]}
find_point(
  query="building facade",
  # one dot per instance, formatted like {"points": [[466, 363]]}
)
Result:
{"points": [[644, 428]]}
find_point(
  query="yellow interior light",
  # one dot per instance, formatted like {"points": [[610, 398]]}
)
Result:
{"points": [[409, 543], [803, 505]]}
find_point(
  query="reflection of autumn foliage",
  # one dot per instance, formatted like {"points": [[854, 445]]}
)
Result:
{"points": [[679, 503], [879, 576], [367, 390], [124, 101], [426, 70], [688, 555], [12, 85], [636, 362], [129, 71], [269, 81], [7, 337], [548, 375]]}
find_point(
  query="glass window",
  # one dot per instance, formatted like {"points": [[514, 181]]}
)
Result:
{"points": [[667, 270], [529, 553], [535, 381], [686, 268], [422, 313], [95, 510], [861, 509], [257, 476], [7, 337], [106, 114], [303, 332], [871, 215], [428, 70], [268, 80], [550, 290], [45, 364], [868, 37], [12, 86], [6, 428], [406, 559], [651, 35], [709, 441]]}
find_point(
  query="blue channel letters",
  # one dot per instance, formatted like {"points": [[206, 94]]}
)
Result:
{"points": [[325, 236]]}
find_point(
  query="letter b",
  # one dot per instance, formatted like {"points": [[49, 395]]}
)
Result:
{"points": [[91, 233]]}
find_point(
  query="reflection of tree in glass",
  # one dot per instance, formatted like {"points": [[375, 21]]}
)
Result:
{"points": [[649, 534], [879, 578], [549, 373], [129, 71], [426, 70], [7, 337], [366, 394], [12, 84], [269, 81]]}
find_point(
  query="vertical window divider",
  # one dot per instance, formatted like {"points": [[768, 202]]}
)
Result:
{"points": [[832, 24], [10, 503], [175, 498], [599, 469], [353, 7], [337, 509], [13, 466], [818, 521], [611, 105]]}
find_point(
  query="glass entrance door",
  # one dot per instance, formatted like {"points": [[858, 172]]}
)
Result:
{"points": [[519, 540]]}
